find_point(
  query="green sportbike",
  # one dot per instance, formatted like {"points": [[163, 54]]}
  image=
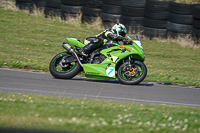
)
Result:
{"points": [[125, 62]]}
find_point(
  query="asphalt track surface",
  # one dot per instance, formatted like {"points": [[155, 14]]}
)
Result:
{"points": [[26, 82]]}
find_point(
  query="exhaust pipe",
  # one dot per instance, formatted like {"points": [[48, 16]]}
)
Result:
{"points": [[68, 47], [71, 50]]}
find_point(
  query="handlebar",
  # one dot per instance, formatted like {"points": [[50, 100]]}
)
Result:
{"points": [[126, 42]]}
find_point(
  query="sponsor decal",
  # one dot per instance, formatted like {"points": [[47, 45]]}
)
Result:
{"points": [[92, 73], [68, 45], [125, 47], [110, 72]]}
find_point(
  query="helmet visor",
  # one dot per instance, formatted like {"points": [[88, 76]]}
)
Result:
{"points": [[122, 33]]}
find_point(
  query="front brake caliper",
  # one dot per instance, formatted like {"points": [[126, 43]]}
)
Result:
{"points": [[131, 71]]}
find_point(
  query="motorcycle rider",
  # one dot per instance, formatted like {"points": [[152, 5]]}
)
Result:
{"points": [[117, 33]]}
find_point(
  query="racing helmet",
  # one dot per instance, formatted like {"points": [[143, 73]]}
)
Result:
{"points": [[119, 29]]}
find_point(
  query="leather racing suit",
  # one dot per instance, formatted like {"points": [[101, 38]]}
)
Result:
{"points": [[93, 43]]}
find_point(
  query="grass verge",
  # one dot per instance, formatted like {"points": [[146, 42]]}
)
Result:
{"points": [[188, 1], [22, 111], [31, 41]]}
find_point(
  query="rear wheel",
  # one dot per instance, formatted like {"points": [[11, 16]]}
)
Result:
{"points": [[133, 73], [61, 69]]}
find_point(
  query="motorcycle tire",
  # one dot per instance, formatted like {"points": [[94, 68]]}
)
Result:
{"points": [[180, 19], [132, 21], [110, 17], [93, 12], [156, 15], [72, 2], [53, 3], [154, 23], [157, 5], [137, 75], [196, 23], [23, 6], [111, 9], [154, 32], [70, 70], [71, 9], [24, 1], [134, 3], [179, 8], [88, 19], [196, 11], [113, 2], [93, 3], [196, 32], [39, 3], [179, 28], [132, 12], [51, 12]]}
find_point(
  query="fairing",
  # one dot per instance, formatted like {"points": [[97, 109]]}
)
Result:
{"points": [[107, 69]]}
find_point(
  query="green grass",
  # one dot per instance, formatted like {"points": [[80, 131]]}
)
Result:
{"points": [[185, 1], [188, 1], [170, 62], [32, 40], [22, 111]]}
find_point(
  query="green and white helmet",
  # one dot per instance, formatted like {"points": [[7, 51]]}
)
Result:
{"points": [[119, 29]]}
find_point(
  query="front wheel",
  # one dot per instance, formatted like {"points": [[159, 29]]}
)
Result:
{"points": [[61, 69], [133, 73]]}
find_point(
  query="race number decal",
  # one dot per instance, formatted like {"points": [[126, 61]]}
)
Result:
{"points": [[110, 72]]}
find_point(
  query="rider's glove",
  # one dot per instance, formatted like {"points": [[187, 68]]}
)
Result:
{"points": [[130, 42], [124, 39], [119, 38]]}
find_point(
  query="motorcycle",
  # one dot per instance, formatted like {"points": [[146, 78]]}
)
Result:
{"points": [[125, 62]]}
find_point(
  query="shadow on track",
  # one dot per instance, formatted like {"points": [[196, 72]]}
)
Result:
{"points": [[114, 81]]}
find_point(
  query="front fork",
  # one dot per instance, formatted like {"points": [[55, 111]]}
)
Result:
{"points": [[129, 60], [131, 63], [130, 70]]}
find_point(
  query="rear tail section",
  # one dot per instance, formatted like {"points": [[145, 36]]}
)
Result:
{"points": [[75, 42]]}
